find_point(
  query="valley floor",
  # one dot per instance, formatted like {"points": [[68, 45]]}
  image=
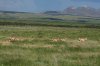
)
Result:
{"points": [[49, 46]]}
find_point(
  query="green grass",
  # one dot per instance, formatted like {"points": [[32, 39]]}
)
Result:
{"points": [[34, 40], [35, 47], [24, 19]]}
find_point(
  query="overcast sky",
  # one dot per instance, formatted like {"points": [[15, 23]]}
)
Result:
{"points": [[44, 5]]}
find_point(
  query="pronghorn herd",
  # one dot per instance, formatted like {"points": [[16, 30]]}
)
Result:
{"points": [[59, 39], [12, 39]]}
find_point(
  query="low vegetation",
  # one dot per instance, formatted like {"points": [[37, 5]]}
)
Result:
{"points": [[49, 40]]}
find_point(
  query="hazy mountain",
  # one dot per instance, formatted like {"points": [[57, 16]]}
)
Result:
{"points": [[70, 10], [82, 11]]}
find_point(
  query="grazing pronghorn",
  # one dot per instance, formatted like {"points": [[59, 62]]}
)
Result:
{"points": [[82, 39], [12, 39], [55, 39], [63, 39], [58, 39]]}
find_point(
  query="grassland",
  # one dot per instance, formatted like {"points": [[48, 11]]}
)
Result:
{"points": [[34, 46], [44, 41], [24, 19]]}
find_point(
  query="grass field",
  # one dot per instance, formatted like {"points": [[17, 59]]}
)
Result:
{"points": [[49, 40], [36, 46], [24, 19]]}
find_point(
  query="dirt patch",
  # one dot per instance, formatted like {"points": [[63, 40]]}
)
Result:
{"points": [[5, 43]]}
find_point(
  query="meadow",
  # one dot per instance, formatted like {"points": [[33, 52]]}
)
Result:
{"points": [[45, 41]]}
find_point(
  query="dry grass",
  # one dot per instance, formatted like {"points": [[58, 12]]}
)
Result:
{"points": [[5, 43], [36, 46], [58, 39], [54, 48]]}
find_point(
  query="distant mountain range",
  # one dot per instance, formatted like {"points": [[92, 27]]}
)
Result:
{"points": [[80, 11], [1, 11]]}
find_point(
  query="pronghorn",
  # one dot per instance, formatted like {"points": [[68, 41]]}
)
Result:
{"points": [[63, 39], [82, 39], [55, 39], [58, 39], [13, 39]]}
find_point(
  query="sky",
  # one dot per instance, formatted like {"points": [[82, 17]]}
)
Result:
{"points": [[44, 5]]}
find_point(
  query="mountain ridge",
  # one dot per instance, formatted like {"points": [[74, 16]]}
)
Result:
{"points": [[78, 11]]}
